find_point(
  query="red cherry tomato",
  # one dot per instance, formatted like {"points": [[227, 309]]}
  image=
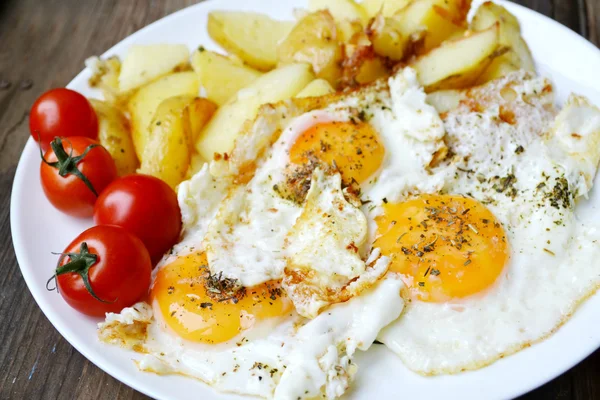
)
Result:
{"points": [[62, 112], [67, 166], [105, 269], [145, 206]]}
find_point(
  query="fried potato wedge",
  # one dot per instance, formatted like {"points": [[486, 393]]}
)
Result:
{"points": [[220, 76], [105, 76], [387, 37], [340, 9], [314, 40], [361, 64], [518, 55], [167, 152], [458, 64], [200, 111], [386, 7], [251, 36], [143, 104], [114, 135], [282, 83], [432, 21], [318, 87], [145, 63]]}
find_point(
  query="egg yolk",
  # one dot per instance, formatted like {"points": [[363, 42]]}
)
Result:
{"points": [[353, 148], [445, 247], [206, 308]]}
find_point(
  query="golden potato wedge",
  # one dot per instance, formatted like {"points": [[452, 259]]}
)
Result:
{"points": [[340, 9], [145, 63], [142, 105], [386, 7], [252, 37], [361, 65], [200, 111], [387, 37], [220, 76], [432, 21], [318, 87], [346, 29], [519, 56], [313, 40], [458, 64], [167, 152], [105, 76], [219, 134], [114, 135]]}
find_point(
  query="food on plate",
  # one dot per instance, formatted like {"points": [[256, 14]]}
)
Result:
{"points": [[318, 87], [340, 9], [386, 7], [143, 104], [279, 84], [167, 151], [73, 172], [115, 137], [105, 77], [313, 40], [145, 63], [373, 196], [383, 170], [458, 63], [146, 207], [61, 112], [104, 269], [517, 55], [221, 77], [251, 36], [430, 22]]}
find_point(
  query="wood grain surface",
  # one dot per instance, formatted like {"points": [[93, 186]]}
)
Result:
{"points": [[43, 44]]}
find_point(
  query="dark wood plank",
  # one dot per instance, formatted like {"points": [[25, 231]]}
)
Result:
{"points": [[46, 42]]}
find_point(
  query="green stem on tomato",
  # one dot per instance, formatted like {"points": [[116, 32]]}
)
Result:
{"points": [[67, 164], [79, 263]]}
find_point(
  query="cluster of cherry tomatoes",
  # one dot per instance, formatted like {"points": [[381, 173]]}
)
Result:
{"points": [[137, 217]]}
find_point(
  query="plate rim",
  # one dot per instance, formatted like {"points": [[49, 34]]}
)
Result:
{"points": [[19, 187]]}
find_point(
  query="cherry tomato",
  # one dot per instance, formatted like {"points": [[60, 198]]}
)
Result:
{"points": [[62, 112], [105, 269], [144, 205], [74, 171]]}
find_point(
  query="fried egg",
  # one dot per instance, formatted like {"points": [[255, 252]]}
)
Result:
{"points": [[497, 259]]}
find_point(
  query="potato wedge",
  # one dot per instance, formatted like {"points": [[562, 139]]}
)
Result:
{"points": [[458, 64], [167, 152], [519, 56], [346, 29], [200, 111], [387, 37], [313, 40], [432, 21], [114, 135], [142, 105], [282, 83], [386, 7], [340, 9], [318, 87], [361, 65], [220, 76], [145, 63], [252, 37], [105, 76]]}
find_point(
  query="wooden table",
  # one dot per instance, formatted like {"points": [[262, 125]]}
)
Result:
{"points": [[43, 45]]}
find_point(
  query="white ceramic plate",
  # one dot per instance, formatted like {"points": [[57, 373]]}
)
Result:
{"points": [[570, 61]]}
